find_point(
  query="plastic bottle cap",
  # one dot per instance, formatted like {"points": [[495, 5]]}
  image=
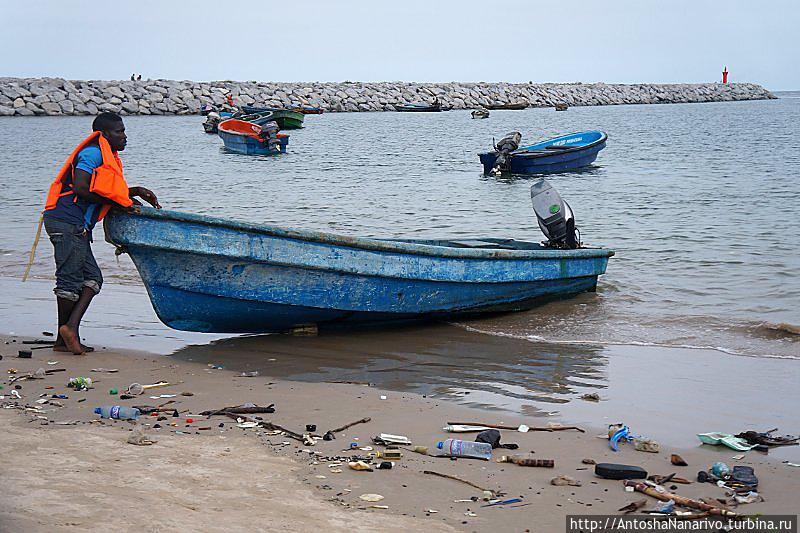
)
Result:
{"points": [[97, 411], [440, 445]]}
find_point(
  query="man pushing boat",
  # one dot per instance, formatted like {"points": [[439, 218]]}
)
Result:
{"points": [[89, 184]]}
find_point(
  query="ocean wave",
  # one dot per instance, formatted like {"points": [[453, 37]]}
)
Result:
{"points": [[539, 338]]}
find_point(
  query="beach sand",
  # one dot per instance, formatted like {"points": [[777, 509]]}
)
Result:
{"points": [[86, 476]]}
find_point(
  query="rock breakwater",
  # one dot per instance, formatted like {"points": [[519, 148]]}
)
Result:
{"points": [[56, 96]]}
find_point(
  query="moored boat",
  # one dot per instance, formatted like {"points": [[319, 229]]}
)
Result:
{"points": [[480, 113], [420, 108], [513, 105], [286, 119], [214, 275], [558, 154], [251, 139]]}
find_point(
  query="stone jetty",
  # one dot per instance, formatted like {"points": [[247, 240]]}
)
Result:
{"points": [[56, 96]]}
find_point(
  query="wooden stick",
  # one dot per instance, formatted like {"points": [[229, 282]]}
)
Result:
{"points": [[454, 478], [351, 424], [269, 425], [679, 500], [241, 410]]}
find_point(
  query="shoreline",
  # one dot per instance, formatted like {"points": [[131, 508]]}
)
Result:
{"points": [[190, 465], [58, 96]]}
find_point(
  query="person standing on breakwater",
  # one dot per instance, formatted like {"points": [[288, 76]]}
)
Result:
{"points": [[89, 184]]}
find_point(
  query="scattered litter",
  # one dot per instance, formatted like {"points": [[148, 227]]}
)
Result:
{"points": [[492, 436], [385, 465], [253, 374], [336, 471], [247, 425], [311, 428], [386, 438], [677, 460], [588, 461], [666, 507], [562, 481], [527, 461], [371, 497], [320, 477], [766, 439], [617, 471], [491, 493], [787, 463], [113, 391], [359, 465], [25, 354], [504, 502], [160, 396], [392, 454], [645, 445], [420, 449], [378, 506], [137, 388], [383, 397], [750, 497], [52, 363], [15, 394], [40, 400], [470, 514], [80, 383], [591, 397], [431, 511], [187, 393], [716, 438], [633, 506], [105, 370]]}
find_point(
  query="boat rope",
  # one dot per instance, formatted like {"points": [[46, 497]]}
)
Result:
{"points": [[33, 249]]}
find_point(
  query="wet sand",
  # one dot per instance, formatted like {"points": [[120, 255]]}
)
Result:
{"points": [[248, 479]]}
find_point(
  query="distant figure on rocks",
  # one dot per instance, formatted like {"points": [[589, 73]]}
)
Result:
{"points": [[139, 77], [88, 185], [133, 77]]}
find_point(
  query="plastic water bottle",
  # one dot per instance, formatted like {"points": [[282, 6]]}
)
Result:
{"points": [[466, 448], [117, 411]]}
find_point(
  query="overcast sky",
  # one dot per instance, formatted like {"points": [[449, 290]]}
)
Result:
{"points": [[623, 41]]}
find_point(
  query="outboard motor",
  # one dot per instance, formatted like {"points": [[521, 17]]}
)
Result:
{"points": [[507, 144], [269, 135], [554, 216]]}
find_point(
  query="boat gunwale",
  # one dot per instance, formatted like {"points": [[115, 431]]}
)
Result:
{"points": [[367, 243]]}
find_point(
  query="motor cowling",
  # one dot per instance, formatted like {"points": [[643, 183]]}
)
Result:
{"points": [[554, 216], [507, 144]]}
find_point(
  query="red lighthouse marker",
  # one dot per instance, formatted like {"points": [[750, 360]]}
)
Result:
{"points": [[725, 75]]}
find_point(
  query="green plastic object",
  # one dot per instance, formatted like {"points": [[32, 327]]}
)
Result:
{"points": [[113, 391], [726, 439]]}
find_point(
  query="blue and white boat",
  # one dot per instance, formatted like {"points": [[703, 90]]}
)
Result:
{"points": [[213, 275], [559, 154]]}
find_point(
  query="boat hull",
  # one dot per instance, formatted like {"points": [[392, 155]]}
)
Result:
{"points": [[286, 119], [537, 159], [242, 144], [218, 276]]}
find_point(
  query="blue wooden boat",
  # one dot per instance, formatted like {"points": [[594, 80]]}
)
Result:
{"points": [[243, 138], [213, 275], [559, 154]]}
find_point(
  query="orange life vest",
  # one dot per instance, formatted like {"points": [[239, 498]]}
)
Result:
{"points": [[107, 179]]}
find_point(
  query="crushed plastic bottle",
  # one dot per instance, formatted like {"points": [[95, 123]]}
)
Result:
{"points": [[118, 412], [466, 448]]}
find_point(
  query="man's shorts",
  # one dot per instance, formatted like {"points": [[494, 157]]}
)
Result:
{"points": [[76, 267]]}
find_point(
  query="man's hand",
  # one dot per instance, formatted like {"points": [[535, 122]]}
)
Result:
{"points": [[145, 194]]}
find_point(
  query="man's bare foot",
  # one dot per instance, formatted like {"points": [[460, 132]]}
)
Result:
{"points": [[63, 348], [71, 340]]}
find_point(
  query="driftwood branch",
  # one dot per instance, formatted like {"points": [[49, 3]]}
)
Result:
{"points": [[679, 500], [268, 425], [470, 483], [241, 410], [351, 424]]}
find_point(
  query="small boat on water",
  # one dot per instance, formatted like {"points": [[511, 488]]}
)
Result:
{"points": [[213, 275], [252, 139], [561, 107], [480, 113], [559, 154], [513, 106], [421, 108], [286, 118]]}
